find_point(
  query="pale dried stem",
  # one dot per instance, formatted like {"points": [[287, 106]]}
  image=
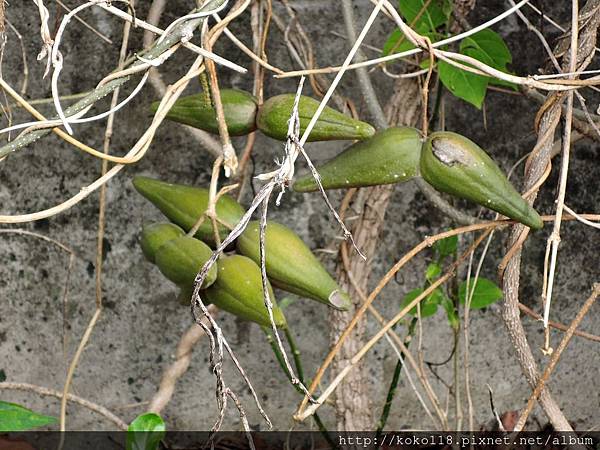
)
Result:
{"points": [[556, 325], [207, 141], [537, 165], [100, 237], [456, 58], [169, 39], [301, 415], [555, 357], [554, 238], [421, 375], [183, 358]]}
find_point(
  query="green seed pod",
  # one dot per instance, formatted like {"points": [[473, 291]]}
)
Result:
{"points": [[453, 164], [181, 259], [239, 108], [391, 156], [291, 265], [155, 235], [274, 114], [238, 290], [183, 205]]}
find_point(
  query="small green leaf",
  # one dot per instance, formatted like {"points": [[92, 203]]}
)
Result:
{"points": [[463, 84], [446, 247], [429, 305], [451, 313], [398, 43], [433, 271], [391, 45], [16, 418], [488, 47], [486, 292], [434, 16], [145, 432]]}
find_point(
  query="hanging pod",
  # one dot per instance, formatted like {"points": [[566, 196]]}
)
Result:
{"points": [[183, 205], [453, 164], [291, 265], [182, 258], [391, 156], [238, 290], [273, 116], [156, 235], [239, 108]]}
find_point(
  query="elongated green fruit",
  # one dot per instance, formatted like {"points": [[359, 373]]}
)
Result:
{"points": [[452, 163], [155, 235], [181, 259], [291, 265], [391, 156], [239, 108], [273, 116], [238, 290], [183, 205]]}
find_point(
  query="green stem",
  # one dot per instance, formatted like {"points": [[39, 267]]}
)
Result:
{"points": [[295, 353], [278, 355], [394, 384]]}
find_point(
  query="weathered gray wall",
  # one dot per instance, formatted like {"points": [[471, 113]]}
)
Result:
{"points": [[141, 323]]}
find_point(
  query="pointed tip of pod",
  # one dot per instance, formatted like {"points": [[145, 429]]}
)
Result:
{"points": [[533, 220], [390, 156], [274, 114], [340, 300], [144, 185], [456, 165], [365, 130]]}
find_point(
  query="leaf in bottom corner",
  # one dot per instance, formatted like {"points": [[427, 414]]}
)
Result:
{"points": [[145, 432], [14, 417]]}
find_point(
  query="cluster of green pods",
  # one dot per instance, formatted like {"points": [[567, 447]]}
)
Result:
{"points": [[243, 115], [449, 162], [235, 283]]}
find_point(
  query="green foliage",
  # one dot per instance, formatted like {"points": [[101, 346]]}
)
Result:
{"points": [[489, 48], [463, 84], [423, 19], [145, 432], [429, 305], [485, 46], [486, 292], [397, 43], [446, 247], [433, 271], [451, 313], [16, 418]]}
